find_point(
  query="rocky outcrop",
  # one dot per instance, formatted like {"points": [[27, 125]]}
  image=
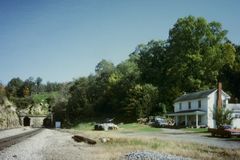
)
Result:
{"points": [[8, 115], [35, 109]]}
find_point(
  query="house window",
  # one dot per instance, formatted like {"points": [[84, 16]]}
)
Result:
{"points": [[189, 105], [224, 103], [237, 115], [199, 104], [180, 106]]}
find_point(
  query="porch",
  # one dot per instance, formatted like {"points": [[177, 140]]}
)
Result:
{"points": [[190, 118]]}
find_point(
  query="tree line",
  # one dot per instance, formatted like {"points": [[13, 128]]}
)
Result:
{"points": [[196, 55]]}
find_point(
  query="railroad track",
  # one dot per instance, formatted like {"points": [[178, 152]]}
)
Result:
{"points": [[8, 141]]}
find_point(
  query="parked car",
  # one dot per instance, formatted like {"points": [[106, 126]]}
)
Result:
{"points": [[158, 122], [224, 131]]}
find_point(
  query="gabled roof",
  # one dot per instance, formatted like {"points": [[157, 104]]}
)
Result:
{"points": [[195, 95]]}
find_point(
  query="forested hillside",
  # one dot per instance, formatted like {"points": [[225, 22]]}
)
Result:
{"points": [[196, 55]]}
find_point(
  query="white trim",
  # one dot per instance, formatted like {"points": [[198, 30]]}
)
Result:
{"points": [[187, 113]]}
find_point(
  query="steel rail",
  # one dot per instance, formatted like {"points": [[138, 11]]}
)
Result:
{"points": [[8, 141]]}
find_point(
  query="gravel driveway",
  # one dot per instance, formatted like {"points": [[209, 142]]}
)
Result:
{"points": [[179, 135]]}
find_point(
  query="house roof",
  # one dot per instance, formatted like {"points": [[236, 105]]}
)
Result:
{"points": [[198, 95], [195, 95]]}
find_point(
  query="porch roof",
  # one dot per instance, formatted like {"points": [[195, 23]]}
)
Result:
{"points": [[188, 112]]}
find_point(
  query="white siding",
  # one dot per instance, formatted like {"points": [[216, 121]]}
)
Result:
{"points": [[236, 114], [212, 104], [212, 100], [194, 105], [236, 123]]}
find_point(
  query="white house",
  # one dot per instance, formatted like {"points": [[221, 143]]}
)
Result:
{"points": [[196, 109], [236, 114]]}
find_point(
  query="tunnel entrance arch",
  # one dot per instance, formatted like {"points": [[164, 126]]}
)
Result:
{"points": [[32, 120], [47, 122], [26, 121]]}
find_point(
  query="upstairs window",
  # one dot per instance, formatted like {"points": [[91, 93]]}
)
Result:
{"points": [[180, 106], [189, 105], [199, 104]]}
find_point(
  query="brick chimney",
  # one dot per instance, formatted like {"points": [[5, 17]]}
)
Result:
{"points": [[219, 95]]}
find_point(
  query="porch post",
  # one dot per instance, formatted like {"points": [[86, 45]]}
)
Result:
{"points": [[196, 120], [186, 120], [176, 119]]}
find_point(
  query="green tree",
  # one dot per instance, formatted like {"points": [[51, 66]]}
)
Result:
{"points": [[125, 77], [198, 50], [22, 102], [27, 87], [13, 87], [78, 104], [2, 90], [52, 87], [142, 99], [230, 77], [104, 66], [38, 82], [2, 94], [222, 117], [152, 62]]}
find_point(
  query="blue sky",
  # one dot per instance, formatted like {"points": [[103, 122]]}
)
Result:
{"points": [[59, 40]]}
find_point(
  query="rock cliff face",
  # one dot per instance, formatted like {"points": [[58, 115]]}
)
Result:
{"points": [[8, 115]]}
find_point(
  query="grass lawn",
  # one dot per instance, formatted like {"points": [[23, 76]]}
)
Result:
{"points": [[195, 130], [129, 127], [136, 127], [235, 139], [84, 126]]}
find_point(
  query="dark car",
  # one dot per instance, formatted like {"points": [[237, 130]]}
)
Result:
{"points": [[224, 131]]}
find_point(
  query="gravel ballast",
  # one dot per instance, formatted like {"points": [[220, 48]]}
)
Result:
{"points": [[147, 155], [48, 144], [15, 131]]}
